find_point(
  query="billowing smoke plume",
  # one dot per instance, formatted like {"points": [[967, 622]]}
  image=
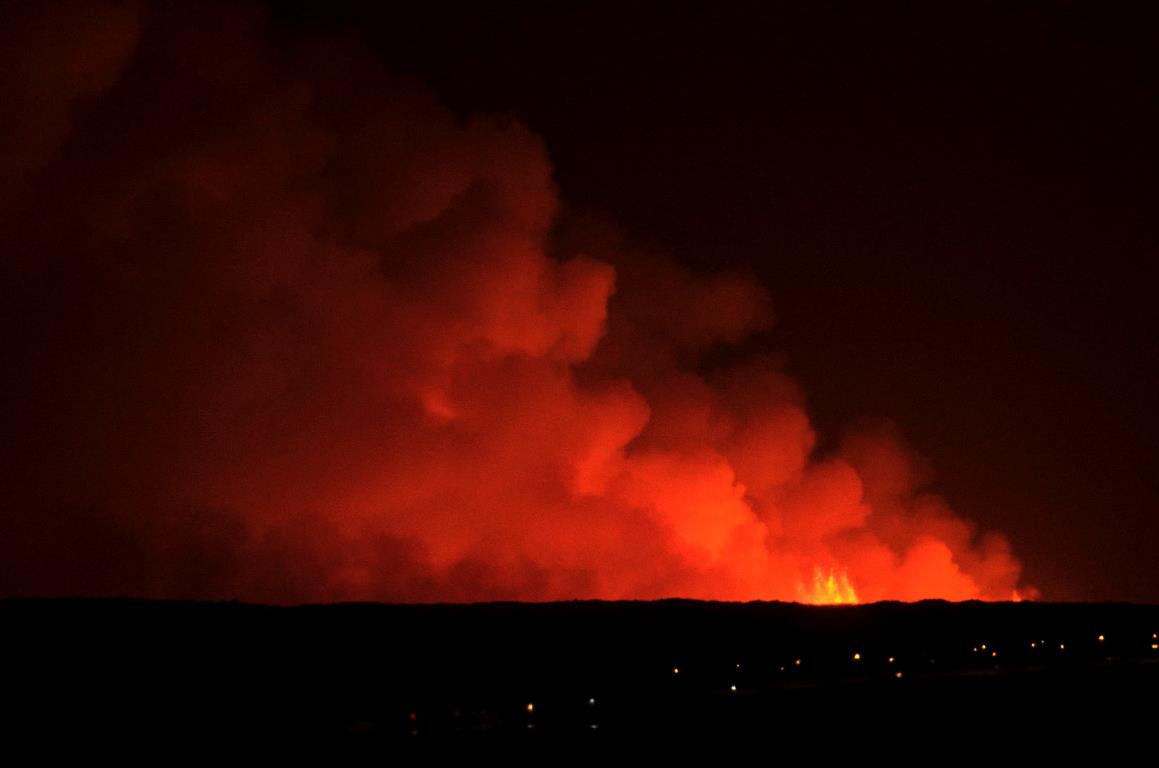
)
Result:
{"points": [[279, 327]]}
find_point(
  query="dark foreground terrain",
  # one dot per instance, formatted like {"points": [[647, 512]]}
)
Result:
{"points": [[372, 677]]}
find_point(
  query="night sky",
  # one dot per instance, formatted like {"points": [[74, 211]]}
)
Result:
{"points": [[952, 208]]}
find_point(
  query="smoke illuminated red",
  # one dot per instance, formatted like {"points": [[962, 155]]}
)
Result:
{"points": [[289, 331]]}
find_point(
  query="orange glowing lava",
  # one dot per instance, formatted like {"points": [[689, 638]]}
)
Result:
{"points": [[831, 587]]}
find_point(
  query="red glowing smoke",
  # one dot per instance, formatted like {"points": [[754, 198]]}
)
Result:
{"points": [[281, 328]]}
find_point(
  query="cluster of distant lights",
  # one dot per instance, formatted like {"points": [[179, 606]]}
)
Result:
{"points": [[1043, 645], [982, 648], [531, 711]]}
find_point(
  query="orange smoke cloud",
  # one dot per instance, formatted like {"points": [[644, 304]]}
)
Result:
{"points": [[283, 329]]}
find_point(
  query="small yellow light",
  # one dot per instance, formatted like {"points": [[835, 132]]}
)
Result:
{"points": [[1101, 638], [890, 659], [1155, 646], [592, 702], [983, 646], [530, 707], [732, 688], [676, 670], [1062, 646], [797, 662], [857, 657], [1034, 645]]}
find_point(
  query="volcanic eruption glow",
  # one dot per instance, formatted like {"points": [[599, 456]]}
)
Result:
{"points": [[831, 587], [290, 331]]}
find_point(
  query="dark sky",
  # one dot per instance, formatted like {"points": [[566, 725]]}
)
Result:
{"points": [[475, 301], [953, 206]]}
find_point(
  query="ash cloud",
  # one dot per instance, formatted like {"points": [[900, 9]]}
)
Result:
{"points": [[279, 327]]}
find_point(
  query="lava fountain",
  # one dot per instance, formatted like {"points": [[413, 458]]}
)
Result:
{"points": [[831, 587]]}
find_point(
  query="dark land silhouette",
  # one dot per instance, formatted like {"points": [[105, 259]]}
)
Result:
{"points": [[370, 676]]}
